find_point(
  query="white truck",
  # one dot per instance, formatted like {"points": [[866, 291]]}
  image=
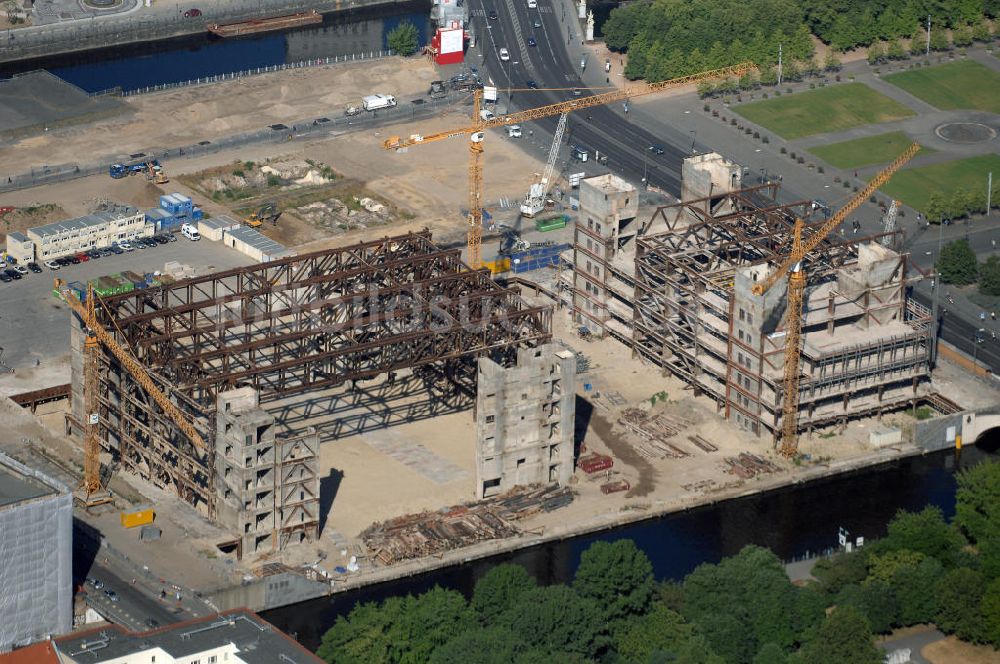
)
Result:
{"points": [[376, 102]]}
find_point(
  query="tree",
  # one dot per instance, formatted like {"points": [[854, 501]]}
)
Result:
{"points": [[958, 206], [914, 588], [841, 570], [990, 611], [925, 532], [403, 39], [790, 71], [748, 81], [697, 651], [617, 576], [429, 621], [832, 62], [557, 618], [957, 263], [918, 42], [659, 630], [959, 594], [939, 40], [488, 645], [623, 24], [977, 503], [962, 36], [769, 76], [363, 635], [937, 207], [895, 50], [876, 601], [989, 276], [498, 590], [981, 32], [876, 54], [844, 637], [771, 653], [883, 566]]}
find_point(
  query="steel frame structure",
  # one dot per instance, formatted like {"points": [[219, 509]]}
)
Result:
{"points": [[301, 323], [683, 311]]}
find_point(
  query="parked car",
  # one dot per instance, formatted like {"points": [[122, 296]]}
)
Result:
{"points": [[12, 273], [83, 257], [504, 55], [52, 265], [34, 267], [5, 278], [94, 253], [74, 260], [126, 246], [22, 270], [171, 238], [194, 12], [115, 249], [486, 115], [161, 239]]}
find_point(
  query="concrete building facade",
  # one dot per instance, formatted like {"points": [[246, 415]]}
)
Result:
{"points": [[20, 247], [268, 486], [36, 547], [119, 223], [524, 420]]}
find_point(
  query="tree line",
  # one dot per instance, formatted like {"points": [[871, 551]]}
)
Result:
{"points": [[743, 610], [671, 38]]}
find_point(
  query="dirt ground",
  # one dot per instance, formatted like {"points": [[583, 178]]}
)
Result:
{"points": [[952, 651]]}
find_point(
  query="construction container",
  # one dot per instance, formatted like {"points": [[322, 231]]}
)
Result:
{"points": [[142, 516], [551, 224], [498, 266], [594, 463]]}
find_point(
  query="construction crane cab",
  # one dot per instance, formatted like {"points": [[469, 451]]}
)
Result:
{"points": [[511, 241]]}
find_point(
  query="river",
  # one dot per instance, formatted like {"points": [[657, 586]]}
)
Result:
{"points": [[791, 522], [137, 66]]}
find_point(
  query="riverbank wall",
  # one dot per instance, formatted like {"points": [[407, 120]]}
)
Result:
{"points": [[152, 25], [283, 590]]}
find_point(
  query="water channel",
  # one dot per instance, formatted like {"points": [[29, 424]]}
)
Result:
{"points": [[791, 522], [137, 66]]}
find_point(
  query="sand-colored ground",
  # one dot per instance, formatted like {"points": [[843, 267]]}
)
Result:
{"points": [[187, 115], [952, 651]]}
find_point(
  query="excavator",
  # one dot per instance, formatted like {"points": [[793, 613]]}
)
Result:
{"points": [[266, 212], [155, 173]]}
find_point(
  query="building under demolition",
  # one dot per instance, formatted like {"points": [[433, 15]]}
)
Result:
{"points": [[677, 287], [229, 348]]}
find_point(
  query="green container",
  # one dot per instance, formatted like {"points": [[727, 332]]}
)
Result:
{"points": [[545, 225]]}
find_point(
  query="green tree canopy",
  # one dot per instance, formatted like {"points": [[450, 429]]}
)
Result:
{"points": [[489, 645], [959, 595], [499, 589], [937, 207], [915, 589], [559, 619], [844, 637], [771, 653], [957, 263], [403, 39], [617, 576], [989, 276], [990, 610], [659, 630], [925, 532], [841, 570], [875, 601], [977, 503]]}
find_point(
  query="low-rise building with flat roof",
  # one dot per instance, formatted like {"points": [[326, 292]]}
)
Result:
{"points": [[234, 637], [256, 245], [119, 223]]}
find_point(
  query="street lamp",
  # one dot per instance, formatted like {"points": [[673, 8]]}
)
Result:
{"points": [[694, 136]]}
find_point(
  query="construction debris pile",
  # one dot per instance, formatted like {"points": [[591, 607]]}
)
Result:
{"points": [[748, 465], [432, 533], [654, 432]]}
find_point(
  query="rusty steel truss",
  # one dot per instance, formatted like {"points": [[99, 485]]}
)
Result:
{"points": [[297, 324]]}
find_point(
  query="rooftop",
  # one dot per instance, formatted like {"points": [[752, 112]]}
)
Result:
{"points": [[38, 653], [18, 236], [220, 222], [254, 640], [256, 240], [96, 219], [19, 484]]}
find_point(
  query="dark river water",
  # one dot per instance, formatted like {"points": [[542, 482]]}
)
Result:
{"points": [[170, 61], [791, 522]]}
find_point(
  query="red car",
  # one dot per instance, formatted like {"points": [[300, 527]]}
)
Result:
{"points": [[192, 13], [83, 257]]}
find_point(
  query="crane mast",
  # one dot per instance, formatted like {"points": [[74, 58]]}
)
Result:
{"points": [[534, 202]]}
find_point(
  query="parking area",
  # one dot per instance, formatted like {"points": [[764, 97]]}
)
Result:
{"points": [[34, 329]]}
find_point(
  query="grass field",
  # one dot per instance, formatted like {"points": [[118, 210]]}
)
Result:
{"points": [[964, 84], [823, 110], [915, 186], [860, 152]]}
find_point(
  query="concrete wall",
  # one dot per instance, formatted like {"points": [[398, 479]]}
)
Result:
{"points": [[524, 420], [270, 592], [709, 175]]}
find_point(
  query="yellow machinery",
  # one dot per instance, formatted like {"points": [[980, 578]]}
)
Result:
{"points": [[96, 334], [792, 266], [476, 134], [138, 517], [155, 173], [267, 212]]}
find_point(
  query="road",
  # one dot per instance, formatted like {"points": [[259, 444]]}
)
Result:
{"points": [[557, 70]]}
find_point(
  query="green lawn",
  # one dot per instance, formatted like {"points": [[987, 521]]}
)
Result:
{"points": [[964, 84], [914, 186], [823, 110], [860, 152]]}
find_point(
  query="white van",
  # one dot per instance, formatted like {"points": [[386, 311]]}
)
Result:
{"points": [[486, 115], [190, 232], [375, 102], [514, 131]]}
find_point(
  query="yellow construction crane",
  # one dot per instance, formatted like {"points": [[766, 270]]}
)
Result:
{"points": [[476, 132], [96, 335], [792, 265]]}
